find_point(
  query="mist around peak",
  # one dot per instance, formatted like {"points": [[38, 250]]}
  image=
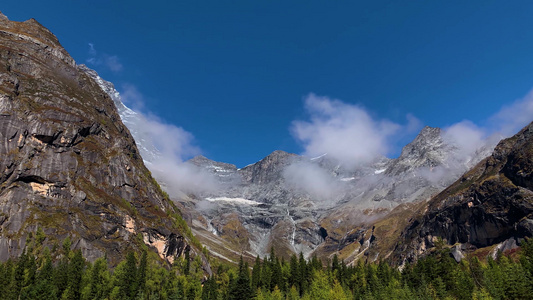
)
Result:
{"points": [[164, 147], [353, 138], [347, 132]]}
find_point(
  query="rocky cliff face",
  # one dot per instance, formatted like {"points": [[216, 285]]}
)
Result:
{"points": [[491, 206], [68, 163]]}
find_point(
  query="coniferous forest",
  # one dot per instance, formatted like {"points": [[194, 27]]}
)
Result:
{"points": [[60, 273]]}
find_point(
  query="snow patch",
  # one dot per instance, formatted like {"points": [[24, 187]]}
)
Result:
{"points": [[233, 200], [319, 157], [348, 179], [379, 171]]}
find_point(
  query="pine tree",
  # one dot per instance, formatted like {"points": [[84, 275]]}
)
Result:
{"points": [[44, 288], [266, 275], [335, 266], [256, 274], [304, 275], [293, 294], [75, 272], [276, 294], [19, 273], [295, 274], [277, 276], [141, 273], [319, 289], [358, 281], [240, 289], [187, 262], [337, 292], [61, 275], [209, 291]]}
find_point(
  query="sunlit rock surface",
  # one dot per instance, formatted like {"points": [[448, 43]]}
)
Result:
{"points": [[69, 165]]}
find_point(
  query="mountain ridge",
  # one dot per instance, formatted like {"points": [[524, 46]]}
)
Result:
{"points": [[71, 167], [491, 204], [368, 192]]}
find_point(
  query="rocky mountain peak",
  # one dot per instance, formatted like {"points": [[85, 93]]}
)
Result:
{"points": [[3, 18], [107, 86], [218, 168], [490, 204], [269, 168], [427, 150], [428, 139], [134, 121], [31, 31], [200, 160], [70, 166]]}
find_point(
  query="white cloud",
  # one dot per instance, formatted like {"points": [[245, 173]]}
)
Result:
{"points": [[311, 179], [95, 58], [511, 118], [132, 97], [346, 132], [469, 137], [165, 147], [179, 177], [92, 51], [171, 141], [112, 62], [466, 136]]}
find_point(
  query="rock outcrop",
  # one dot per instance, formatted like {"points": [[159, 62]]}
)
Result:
{"points": [[68, 163], [489, 206]]}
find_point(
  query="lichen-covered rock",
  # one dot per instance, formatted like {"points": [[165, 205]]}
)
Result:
{"points": [[68, 163]]}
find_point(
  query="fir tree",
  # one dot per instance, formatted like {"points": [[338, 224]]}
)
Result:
{"points": [[75, 272], [256, 274], [141, 273], [240, 289]]}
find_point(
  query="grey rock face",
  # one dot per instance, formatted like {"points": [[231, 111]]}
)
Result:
{"points": [[134, 121], [490, 204], [278, 213], [69, 164], [268, 169], [427, 150], [225, 173]]}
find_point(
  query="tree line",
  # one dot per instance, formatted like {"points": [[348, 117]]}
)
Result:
{"points": [[61, 273]]}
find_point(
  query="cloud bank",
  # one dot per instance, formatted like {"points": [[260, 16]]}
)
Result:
{"points": [[346, 132], [165, 147], [469, 137], [312, 179], [511, 118], [466, 136], [352, 136]]}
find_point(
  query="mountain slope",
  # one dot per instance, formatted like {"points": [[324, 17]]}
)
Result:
{"points": [[491, 205], [69, 164]]}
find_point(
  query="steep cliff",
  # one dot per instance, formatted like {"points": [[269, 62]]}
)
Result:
{"points": [[491, 206], [68, 163]]}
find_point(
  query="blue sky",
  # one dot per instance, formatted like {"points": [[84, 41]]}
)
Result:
{"points": [[245, 78]]}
